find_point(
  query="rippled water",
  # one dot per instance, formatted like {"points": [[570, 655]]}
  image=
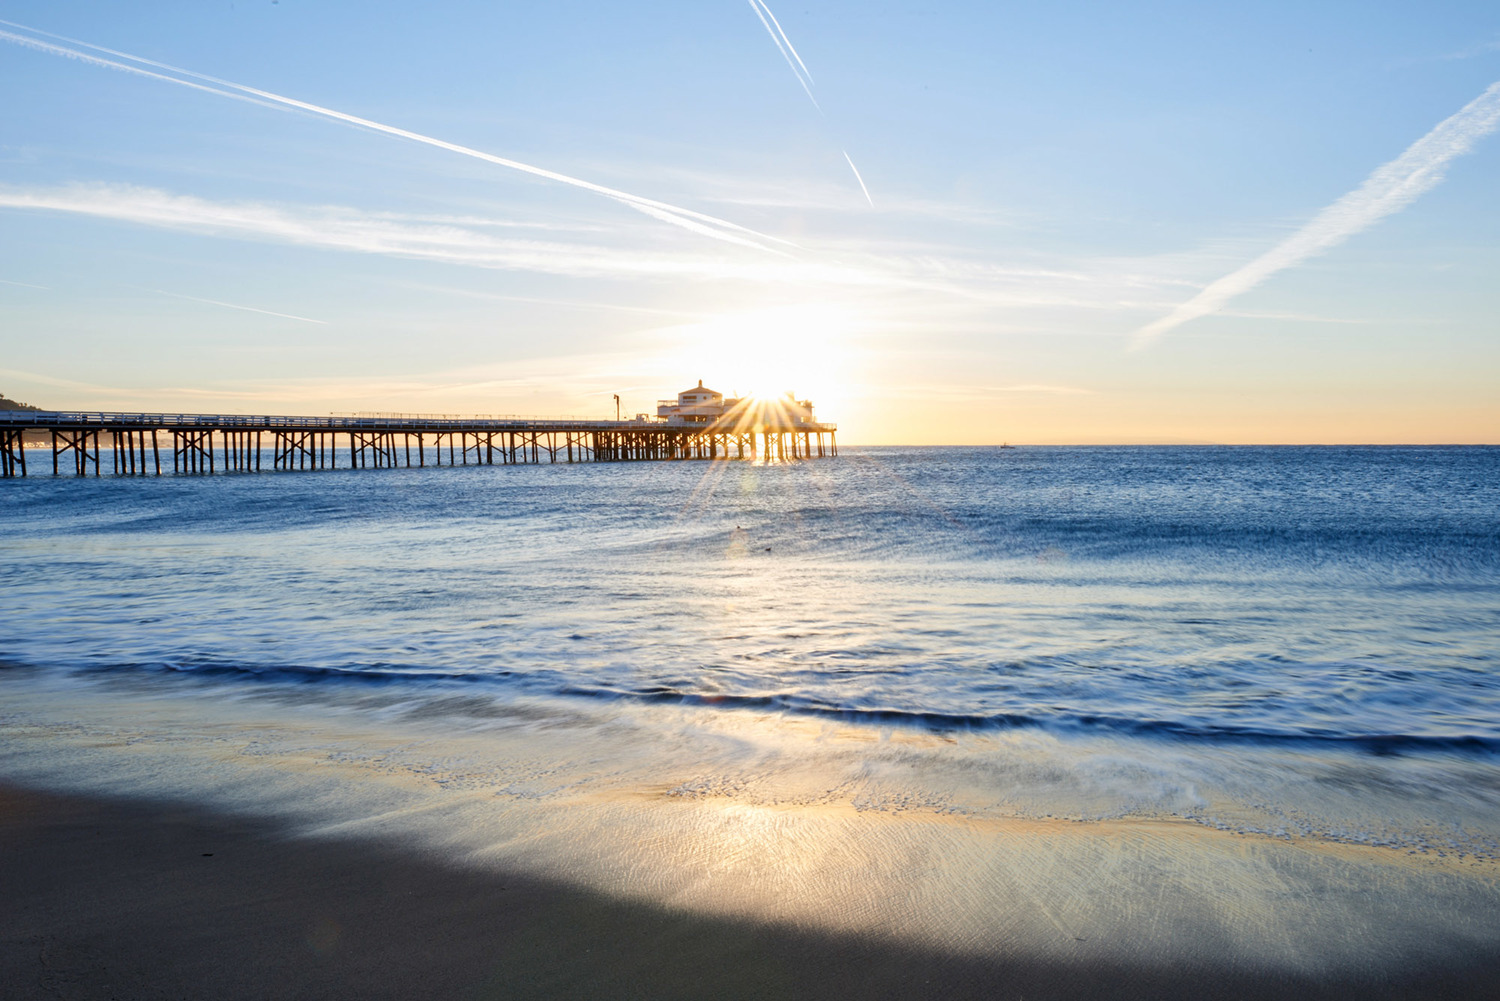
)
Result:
{"points": [[1271, 595]]}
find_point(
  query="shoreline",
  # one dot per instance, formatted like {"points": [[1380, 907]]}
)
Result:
{"points": [[117, 898], [745, 827]]}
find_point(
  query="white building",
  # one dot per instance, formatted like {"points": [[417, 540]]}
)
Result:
{"points": [[701, 405]]}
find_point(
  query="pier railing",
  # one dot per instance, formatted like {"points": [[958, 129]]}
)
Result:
{"points": [[206, 443]]}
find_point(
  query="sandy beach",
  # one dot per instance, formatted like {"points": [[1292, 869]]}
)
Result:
{"points": [[109, 899], [180, 844]]}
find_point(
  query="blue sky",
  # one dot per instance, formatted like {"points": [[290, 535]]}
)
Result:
{"points": [[1045, 183]]}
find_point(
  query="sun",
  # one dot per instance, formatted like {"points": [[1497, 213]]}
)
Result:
{"points": [[761, 355]]}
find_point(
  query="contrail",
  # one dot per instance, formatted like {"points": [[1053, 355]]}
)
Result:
{"points": [[231, 305], [58, 50], [807, 72], [801, 72], [696, 222], [784, 44], [861, 180], [1389, 189]]}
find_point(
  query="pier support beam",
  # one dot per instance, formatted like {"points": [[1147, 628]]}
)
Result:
{"points": [[82, 442], [12, 453]]}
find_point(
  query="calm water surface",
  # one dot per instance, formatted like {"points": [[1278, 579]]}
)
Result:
{"points": [[1295, 596]]}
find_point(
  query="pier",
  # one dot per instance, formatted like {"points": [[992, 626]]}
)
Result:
{"points": [[138, 444]]}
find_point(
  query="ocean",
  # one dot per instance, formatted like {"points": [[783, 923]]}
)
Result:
{"points": [[1284, 645]]}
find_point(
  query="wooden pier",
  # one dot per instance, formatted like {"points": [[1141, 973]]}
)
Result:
{"points": [[154, 444]]}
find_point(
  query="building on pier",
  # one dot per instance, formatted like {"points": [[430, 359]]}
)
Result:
{"points": [[703, 406], [699, 405]]}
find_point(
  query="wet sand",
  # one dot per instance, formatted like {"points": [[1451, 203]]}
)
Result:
{"points": [[127, 899]]}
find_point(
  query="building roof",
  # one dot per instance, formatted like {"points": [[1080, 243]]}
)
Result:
{"points": [[700, 388]]}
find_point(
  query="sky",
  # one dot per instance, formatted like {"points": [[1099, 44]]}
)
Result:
{"points": [[943, 223]]}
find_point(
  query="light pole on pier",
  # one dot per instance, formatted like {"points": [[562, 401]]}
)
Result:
{"points": [[617, 406]]}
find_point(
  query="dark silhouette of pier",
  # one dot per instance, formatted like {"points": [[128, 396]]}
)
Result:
{"points": [[153, 444]]}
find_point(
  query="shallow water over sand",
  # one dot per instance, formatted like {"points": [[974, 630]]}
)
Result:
{"points": [[988, 845]]}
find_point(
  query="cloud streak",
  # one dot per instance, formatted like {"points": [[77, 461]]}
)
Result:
{"points": [[1389, 189], [49, 380], [923, 278], [1043, 389], [345, 229], [696, 222], [231, 305], [1481, 49]]}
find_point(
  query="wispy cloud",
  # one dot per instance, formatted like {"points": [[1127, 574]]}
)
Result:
{"points": [[919, 280], [1478, 49], [979, 394], [231, 305], [1388, 190], [565, 303], [1042, 389], [490, 222], [43, 288], [49, 380], [805, 195], [351, 230], [584, 379], [1470, 51], [580, 376], [696, 222], [1251, 314]]}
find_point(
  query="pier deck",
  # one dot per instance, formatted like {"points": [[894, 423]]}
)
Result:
{"points": [[139, 444]]}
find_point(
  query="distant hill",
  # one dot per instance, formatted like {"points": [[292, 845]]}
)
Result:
{"points": [[8, 404]]}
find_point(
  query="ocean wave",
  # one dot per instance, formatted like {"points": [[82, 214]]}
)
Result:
{"points": [[423, 685]]}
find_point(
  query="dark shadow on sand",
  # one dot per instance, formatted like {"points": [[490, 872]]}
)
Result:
{"points": [[106, 899]]}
